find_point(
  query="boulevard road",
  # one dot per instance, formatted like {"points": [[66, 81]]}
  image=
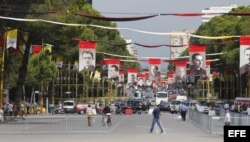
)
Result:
{"points": [[134, 128]]}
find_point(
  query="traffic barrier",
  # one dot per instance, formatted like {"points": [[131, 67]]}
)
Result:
{"points": [[55, 124], [215, 124]]}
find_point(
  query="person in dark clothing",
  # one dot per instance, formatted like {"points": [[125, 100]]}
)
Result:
{"points": [[106, 110], [106, 115], [183, 110], [156, 119]]}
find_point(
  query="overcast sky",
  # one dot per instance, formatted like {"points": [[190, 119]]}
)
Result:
{"points": [[159, 23]]}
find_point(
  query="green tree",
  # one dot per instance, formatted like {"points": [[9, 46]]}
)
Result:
{"points": [[41, 71]]}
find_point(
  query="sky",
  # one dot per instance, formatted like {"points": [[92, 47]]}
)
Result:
{"points": [[123, 8]]}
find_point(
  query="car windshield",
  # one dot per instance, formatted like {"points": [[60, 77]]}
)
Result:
{"points": [[175, 102], [203, 103], [68, 103], [170, 92], [163, 103], [161, 95]]}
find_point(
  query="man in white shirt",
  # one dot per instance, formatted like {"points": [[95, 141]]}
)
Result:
{"points": [[227, 118], [89, 112]]}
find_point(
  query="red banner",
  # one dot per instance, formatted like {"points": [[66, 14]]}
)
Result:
{"points": [[181, 63], [112, 61], [154, 61], [87, 44], [244, 40], [121, 72], [132, 70], [36, 49], [141, 76], [196, 48]]}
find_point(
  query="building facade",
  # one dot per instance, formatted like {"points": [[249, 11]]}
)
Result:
{"points": [[215, 11], [179, 43]]}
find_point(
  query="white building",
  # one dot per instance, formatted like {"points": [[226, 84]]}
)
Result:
{"points": [[215, 11], [180, 41]]}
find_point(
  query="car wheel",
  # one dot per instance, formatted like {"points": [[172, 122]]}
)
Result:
{"points": [[81, 112]]}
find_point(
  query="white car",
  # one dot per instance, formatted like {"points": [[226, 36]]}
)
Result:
{"points": [[174, 106], [68, 106], [200, 106]]}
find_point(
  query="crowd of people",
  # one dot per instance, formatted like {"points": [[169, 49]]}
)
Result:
{"points": [[10, 110]]}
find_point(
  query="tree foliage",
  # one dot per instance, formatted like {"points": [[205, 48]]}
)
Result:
{"points": [[41, 70]]}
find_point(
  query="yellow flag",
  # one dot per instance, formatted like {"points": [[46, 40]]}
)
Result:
{"points": [[47, 47], [11, 39]]}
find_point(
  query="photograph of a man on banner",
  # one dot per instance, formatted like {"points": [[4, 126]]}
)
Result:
{"points": [[113, 71], [244, 54], [155, 73], [87, 60], [197, 67], [180, 74], [180, 71], [87, 55], [121, 77], [197, 63]]}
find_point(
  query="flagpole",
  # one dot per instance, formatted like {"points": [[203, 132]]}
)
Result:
{"points": [[2, 71]]}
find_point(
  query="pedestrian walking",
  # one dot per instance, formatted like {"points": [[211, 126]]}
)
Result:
{"points": [[156, 119], [183, 110], [226, 106], [10, 107], [227, 118], [89, 112], [23, 110]]}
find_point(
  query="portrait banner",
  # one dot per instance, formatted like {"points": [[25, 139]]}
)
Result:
{"points": [[87, 55], [180, 68], [154, 69], [141, 79], [113, 68], [244, 54], [132, 75], [121, 76], [197, 58], [104, 68], [171, 78]]}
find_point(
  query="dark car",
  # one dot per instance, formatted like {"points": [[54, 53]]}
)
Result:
{"points": [[136, 105], [164, 106]]}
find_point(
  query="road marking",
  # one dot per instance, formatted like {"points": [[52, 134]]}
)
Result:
{"points": [[117, 124]]}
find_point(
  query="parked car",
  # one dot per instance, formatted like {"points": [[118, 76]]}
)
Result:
{"points": [[136, 105], [174, 106], [200, 106], [68, 106], [164, 106], [80, 108]]}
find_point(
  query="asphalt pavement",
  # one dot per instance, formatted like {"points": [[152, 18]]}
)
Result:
{"points": [[134, 128]]}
